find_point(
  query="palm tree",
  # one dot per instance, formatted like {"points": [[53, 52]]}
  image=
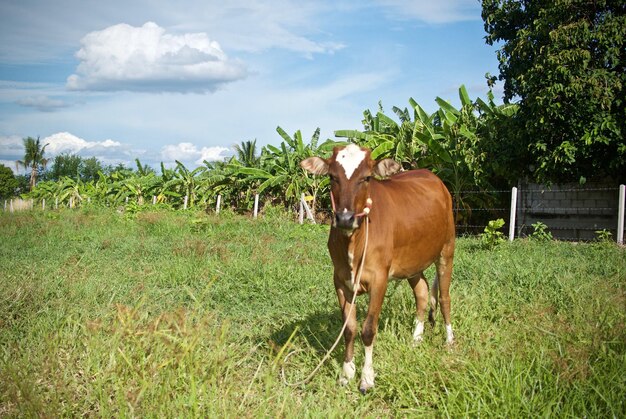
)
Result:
{"points": [[246, 153], [33, 158]]}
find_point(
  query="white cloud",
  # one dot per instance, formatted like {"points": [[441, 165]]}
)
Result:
{"points": [[146, 58], [64, 142], [440, 11], [295, 25], [11, 149], [42, 103], [188, 152]]}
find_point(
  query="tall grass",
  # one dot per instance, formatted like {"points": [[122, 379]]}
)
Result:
{"points": [[184, 314]]}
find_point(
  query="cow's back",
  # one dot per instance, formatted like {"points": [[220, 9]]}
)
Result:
{"points": [[411, 220]]}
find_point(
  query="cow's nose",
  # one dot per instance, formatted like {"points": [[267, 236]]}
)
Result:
{"points": [[345, 219]]}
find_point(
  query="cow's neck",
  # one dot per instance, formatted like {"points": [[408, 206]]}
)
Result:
{"points": [[351, 245]]}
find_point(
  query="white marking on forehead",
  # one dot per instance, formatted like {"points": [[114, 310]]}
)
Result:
{"points": [[350, 158]]}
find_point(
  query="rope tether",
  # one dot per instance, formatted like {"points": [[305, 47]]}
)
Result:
{"points": [[345, 323]]}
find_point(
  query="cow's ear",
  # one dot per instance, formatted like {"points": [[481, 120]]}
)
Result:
{"points": [[315, 165], [386, 168]]}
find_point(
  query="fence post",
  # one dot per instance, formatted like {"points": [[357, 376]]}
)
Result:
{"points": [[256, 205], [153, 199], [309, 214], [620, 214], [11, 206], [301, 212], [5, 205], [56, 203], [43, 204], [513, 211], [219, 202], [185, 202]]}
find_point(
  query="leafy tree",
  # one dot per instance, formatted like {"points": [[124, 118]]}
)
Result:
{"points": [[566, 63], [8, 182], [33, 159], [66, 165], [90, 169]]}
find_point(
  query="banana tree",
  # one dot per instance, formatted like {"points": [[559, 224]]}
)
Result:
{"points": [[282, 163], [69, 190], [184, 183], [386, 137], [447, 141], [43, 190], [138, 187], [103, 190]]}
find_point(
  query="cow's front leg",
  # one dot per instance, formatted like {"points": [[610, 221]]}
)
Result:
{"points": [[345, 298], [370, 328]]}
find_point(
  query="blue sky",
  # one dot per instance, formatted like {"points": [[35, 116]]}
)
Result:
{"points": [[165, 81]]}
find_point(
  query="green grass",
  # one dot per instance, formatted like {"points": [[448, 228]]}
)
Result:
{"points": [[184, 314]]}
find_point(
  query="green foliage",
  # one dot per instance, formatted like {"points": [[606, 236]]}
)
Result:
{"points": [[462, 146], [90, 169], [65, 165], [34, 159], [565, 62], [540, 232], [8, 182], [604, 236], [492, 236], [247, 153], [151, 317]]}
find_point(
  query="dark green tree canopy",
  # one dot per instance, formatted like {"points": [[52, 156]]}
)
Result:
{"points": [[90, 168], [8, 182], [77, 167], [565, 62], [66, 164]]}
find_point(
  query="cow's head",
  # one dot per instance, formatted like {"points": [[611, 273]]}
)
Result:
{"points": [[350, 169]]}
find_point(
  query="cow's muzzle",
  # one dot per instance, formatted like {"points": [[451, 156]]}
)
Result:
{"points": [[345, 220]]}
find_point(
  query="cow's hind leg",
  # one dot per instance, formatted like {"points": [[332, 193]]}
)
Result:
{"points": [[420, 292], [444, 276], [434, 300], [349, 369]]}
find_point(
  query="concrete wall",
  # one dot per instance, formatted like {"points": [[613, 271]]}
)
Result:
{"points": [[571, 211]]}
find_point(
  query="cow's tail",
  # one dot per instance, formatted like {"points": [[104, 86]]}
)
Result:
{"points": [[434, 299]]}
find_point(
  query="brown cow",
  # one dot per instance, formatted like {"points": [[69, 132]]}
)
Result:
{"points": [[410, 227]]}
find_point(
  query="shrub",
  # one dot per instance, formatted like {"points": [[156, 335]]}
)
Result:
{"points": [[492, 235]]}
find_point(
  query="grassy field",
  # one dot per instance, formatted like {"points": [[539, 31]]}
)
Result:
{"points": [[183, 314]]}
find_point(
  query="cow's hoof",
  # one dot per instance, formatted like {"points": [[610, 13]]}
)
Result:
{"points": [[364, 388], [366, 385], [347, 373], [450, 345], [417, 341]]}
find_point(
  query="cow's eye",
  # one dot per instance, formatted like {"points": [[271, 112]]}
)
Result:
{"points": [[366, 179], [332, 178]]}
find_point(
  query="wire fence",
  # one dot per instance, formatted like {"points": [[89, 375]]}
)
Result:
{"points": [[567, 213]]}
